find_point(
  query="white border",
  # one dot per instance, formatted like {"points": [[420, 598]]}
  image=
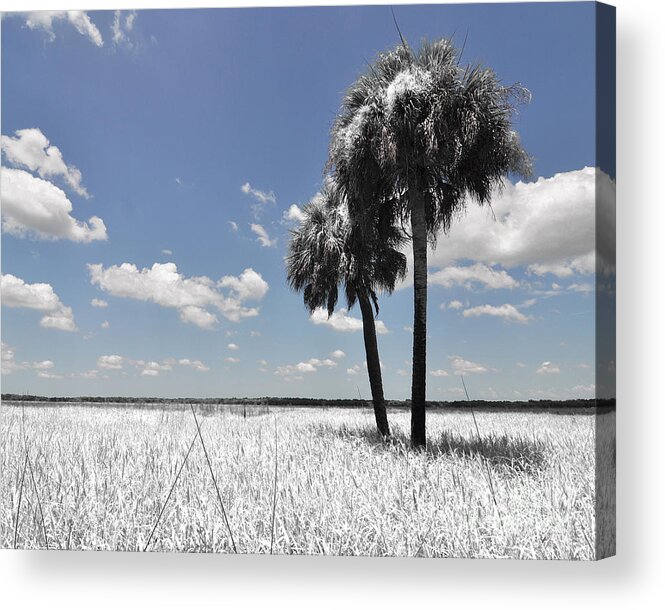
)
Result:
{"points": [[632, 579]]}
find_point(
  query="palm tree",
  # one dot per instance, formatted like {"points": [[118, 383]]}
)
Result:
{"points": [[421, 134], [327, 252]]}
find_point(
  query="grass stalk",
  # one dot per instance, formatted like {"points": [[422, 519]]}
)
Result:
{"points": [[39, 502], [20, 498], [484, 459], [177, 476], [214, 480], [274, 495]]}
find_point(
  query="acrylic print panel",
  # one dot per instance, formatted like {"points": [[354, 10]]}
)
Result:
{"points": [[330, 280]]}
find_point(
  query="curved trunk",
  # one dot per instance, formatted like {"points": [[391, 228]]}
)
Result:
{"points": [[373, 363], [418, 382]]}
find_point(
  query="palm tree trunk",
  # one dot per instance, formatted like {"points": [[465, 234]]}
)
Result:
{"points": [[373, 363], [419, 372]]}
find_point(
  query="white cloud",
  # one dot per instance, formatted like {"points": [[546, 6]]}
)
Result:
{"points": [[153, 369], [232, 360], [43, 20], [31, 149], [105, 324], [403, 372], [47, 375], [549, 368], [341, 321], [254, 333], [520, 365], [233, 346], [91, 374], [197, 365], [99, 303], [309, 366], [42, 297], [583, 287], [470, 274], [466, 367], [354, 370], [234, 226], [260, 196], [122, 29], [439, 373], [192, 297], [262, 362], [32, 206], [263, 236], [548, 226], [167, 252], [9, 364], [43, 365], [338, 354], [293, 214], [112, 362], [506, 311], [455, 305]]}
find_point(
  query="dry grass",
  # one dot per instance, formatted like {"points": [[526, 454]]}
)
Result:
{"points": [[103, 474]]}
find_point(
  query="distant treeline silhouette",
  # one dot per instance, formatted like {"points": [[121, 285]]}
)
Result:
{"points": [[272, 401]]}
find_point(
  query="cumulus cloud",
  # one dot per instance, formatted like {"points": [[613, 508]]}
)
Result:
{"points": [[43, 20], [10, 365], [197, 365], [234, 226], [35, 207], [233, 346], [466, 367], [439, 373], [507, 312], [309, 366], [547, 226], [354, 370], [263, 238], [294, 214], [153, 368], [192, 297], [112, 362], [342, 321], [31, 149], [42, 297], [455, 305], [232, 360], [469, 275], [338, 354], [548, 368], [105, 324], [99, 303]]}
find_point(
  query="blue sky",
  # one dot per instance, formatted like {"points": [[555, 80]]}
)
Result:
{"points": [[182, 139]]}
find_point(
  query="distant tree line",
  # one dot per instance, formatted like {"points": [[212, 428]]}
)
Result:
{"points": [[292, 401]]}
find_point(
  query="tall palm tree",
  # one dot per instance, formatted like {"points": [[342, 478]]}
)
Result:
{"points": [[326, 252], [425, 135]]}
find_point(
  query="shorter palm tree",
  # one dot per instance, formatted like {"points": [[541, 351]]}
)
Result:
{"points": [[327, 252]]}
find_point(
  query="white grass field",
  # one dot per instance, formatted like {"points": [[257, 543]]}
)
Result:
{"points": [[97, 477]]}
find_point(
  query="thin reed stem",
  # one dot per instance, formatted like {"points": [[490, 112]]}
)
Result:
{"points": [[484, 459], [214, 480], [274, 495], [177, 476], [20, 498], [39, 502]]}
